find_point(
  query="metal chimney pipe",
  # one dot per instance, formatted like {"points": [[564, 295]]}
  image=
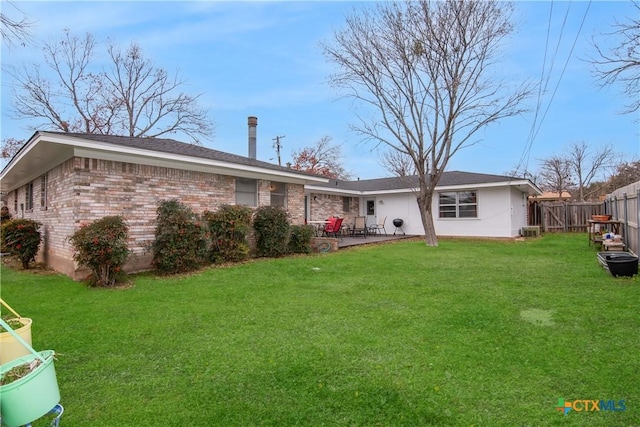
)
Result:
{"points": [[253, 125]]}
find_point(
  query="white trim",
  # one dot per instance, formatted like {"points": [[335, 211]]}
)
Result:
{"points": [[55, 149]]}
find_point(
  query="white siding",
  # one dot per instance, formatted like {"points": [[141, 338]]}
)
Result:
{"points": [[501, 213]]}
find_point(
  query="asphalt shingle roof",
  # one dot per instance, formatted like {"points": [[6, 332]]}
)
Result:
{"points": [[449, 178], [171, 146]]}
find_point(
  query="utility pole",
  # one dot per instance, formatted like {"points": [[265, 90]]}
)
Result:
{"points": [[278, 146]]}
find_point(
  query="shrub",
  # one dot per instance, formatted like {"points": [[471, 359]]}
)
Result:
{"points": [[22, 237], [300, 239], [180, 242], [229, 227], [272, 230], [102, 246], [5, 215]]}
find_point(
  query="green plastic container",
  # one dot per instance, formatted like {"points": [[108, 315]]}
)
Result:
{"points": [[31, 397]]}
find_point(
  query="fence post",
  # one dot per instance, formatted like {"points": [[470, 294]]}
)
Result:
{"points": [[637, 248], [626, 218]]}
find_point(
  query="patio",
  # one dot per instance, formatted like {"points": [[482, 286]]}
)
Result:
{"points": [[348, 241]]}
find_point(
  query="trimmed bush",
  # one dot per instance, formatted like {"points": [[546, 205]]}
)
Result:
{"points": [[300, 239], [180, 239], [102, 246], [272, 231], [229, 227], [22, 237]]}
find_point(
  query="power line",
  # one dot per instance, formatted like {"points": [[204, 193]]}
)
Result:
{"points": [[535, 130]]}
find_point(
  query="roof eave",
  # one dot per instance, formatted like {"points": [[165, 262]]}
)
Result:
{"points": [[65, 147]]}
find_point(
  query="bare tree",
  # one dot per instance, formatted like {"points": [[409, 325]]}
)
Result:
{"points": [[133, 97], [587, 164], [425, 71], [398, 163], [10, 146], [621, 63], [323, 159], [626, 173], [15, 29], [555, 175]]}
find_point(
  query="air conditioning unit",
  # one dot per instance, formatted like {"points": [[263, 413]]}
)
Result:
{"points": [[533, 231]]}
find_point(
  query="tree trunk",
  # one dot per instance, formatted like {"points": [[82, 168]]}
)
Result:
{"points": [[424, 204]]}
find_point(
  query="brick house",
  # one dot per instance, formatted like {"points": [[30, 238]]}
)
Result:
{"points": [[64, 180]]}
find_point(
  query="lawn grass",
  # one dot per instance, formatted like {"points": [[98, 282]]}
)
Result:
{"points": [[485, 333]]}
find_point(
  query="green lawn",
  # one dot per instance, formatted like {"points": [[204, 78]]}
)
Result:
{"points": [[484, 333]]}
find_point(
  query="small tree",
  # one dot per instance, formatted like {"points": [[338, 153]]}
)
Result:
{"points": [[272, 231], [102, 246], [22, 237], [180, 239]]}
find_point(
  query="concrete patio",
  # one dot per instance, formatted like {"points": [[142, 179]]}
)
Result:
{"points": [[348, 241]]}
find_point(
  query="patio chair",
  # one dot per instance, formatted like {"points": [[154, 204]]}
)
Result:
{"points": [[359, 226], [333, 228], [375, 228]]}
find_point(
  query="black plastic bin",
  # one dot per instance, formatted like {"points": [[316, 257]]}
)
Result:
{"points": [[619, 263]]}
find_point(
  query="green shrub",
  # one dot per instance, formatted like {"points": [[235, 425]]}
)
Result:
{"points": [[180, 239], [229, 227], [102, 246], [5, 217], [22, 237], [300, 239], [272, 231]]}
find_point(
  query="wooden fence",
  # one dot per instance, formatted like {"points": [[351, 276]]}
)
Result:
{"points": [[563, 216], [624, 205]]}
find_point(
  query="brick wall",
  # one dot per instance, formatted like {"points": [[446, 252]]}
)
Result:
{"points": [[323, 206], [82, 190]]}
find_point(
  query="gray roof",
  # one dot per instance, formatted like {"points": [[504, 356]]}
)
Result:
{"points": [[171, 146], [449, 178]]}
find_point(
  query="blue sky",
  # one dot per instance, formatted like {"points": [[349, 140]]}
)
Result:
{"points": [[263, 59]]}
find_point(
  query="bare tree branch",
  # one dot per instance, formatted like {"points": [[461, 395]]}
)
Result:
{"points": [[586, 164], [15, 29], [555, 175], [398, 163], [323, 158], [620, 64], [133, 97]]}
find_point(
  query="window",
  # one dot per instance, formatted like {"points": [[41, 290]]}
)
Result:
{"points": [[43, 191], [29, 196], [460, 204], [278, 194], [15, 201], [246, 191], [346, 204], [371, 207]]}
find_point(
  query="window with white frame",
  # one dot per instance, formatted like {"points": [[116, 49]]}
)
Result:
{"points": [[278, 194], [346, 204], [43, 191], [458, 204], [29, 196], [246, 191]]}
